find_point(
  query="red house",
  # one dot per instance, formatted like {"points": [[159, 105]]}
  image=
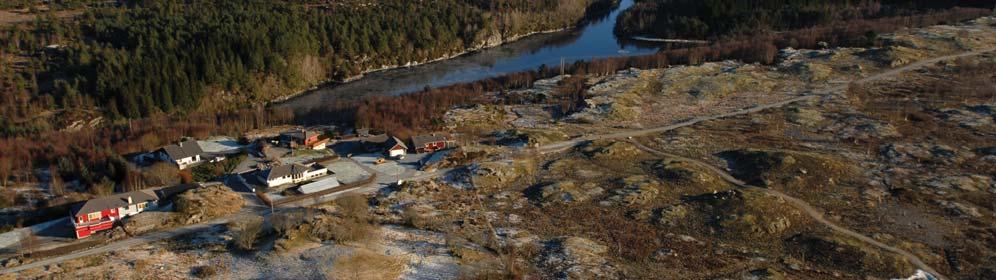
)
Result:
{"points": [[100, 213], [299, 137], [428, 143]]}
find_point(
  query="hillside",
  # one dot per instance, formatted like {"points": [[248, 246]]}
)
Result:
{"points": [[152, 57], [835, 163]]}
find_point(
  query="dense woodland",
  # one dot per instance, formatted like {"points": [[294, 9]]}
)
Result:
{"points": [[154, 70], [168, 56], [709, 19]]}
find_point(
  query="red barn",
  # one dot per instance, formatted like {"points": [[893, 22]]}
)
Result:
{"points": [[100, 213], [428, 143]]}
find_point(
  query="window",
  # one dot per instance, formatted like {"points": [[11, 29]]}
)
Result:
{"points": [[141, 206], [93, 216]]}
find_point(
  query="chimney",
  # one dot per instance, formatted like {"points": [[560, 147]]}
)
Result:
{"points": [[129, 199]]}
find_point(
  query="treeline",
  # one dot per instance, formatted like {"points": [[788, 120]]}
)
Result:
{"points": [[153, 56], [95, 158], [424, 111], [711, 19], [56, 4]]}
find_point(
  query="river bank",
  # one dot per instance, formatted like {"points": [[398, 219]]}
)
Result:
{"points": [[487, 44], [591, 39]]}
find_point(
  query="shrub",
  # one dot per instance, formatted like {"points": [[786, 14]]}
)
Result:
{"points": [[354, 207], [247, 231], [205, 271]]}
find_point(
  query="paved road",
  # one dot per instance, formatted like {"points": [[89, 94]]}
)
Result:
{"points": [[810, 210]]}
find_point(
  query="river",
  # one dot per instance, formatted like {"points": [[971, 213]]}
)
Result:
{"points": [[592, 40]]}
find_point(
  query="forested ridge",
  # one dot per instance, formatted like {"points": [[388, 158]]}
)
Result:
{"points": [[709, 19], [154, 71], [165, 56]]}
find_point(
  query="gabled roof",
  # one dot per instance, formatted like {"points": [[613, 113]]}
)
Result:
{"points": [[184, 149], [285, 170], [377, 139], [421, 140], [298, 134], [394, 141], [319, 142], [112, 201]]}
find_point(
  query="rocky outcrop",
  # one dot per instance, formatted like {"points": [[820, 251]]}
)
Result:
{"points": [[207, 203], [636, 190], [920, 153], [567, 192], [968, 183], [577, 258]]}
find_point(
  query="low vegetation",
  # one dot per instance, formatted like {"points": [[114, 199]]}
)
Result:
{"points": [[246, 232], [365, 264], [207, 203]]}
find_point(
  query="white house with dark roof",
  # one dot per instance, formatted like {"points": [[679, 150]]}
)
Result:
{"points": [[290, 173], [183, 154]]}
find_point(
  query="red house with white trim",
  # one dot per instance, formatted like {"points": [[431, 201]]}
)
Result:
{"points": [[100, 213], [428, 143]]}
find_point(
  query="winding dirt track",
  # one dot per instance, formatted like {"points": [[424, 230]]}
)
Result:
{"points": [[813, 212], [810, 210]]}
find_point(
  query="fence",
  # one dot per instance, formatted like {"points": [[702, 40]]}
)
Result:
{"points": [[269, 202]]}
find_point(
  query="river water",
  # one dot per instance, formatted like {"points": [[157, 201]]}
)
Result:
{"points": [[592, 40]]}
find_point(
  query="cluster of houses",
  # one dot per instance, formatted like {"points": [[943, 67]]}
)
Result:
{"points": [[101, 213], [393, 147]]}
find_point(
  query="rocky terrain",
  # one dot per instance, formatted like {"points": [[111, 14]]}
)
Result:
{"points": [[886, 170]]}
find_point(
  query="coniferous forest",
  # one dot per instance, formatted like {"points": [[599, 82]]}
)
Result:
{"points": [[710, 19], [145, 57]]}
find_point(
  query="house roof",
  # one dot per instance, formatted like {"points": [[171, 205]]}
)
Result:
{"points": [[319, 142], [112, 201], [298, 134], [184, 149], [394, 141], [421, 140], [377, 139], [319, 185], [285, 170]]}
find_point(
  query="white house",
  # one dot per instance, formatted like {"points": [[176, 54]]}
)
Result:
{"points": [[183, 154], [395, 148], [291, 173]]}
